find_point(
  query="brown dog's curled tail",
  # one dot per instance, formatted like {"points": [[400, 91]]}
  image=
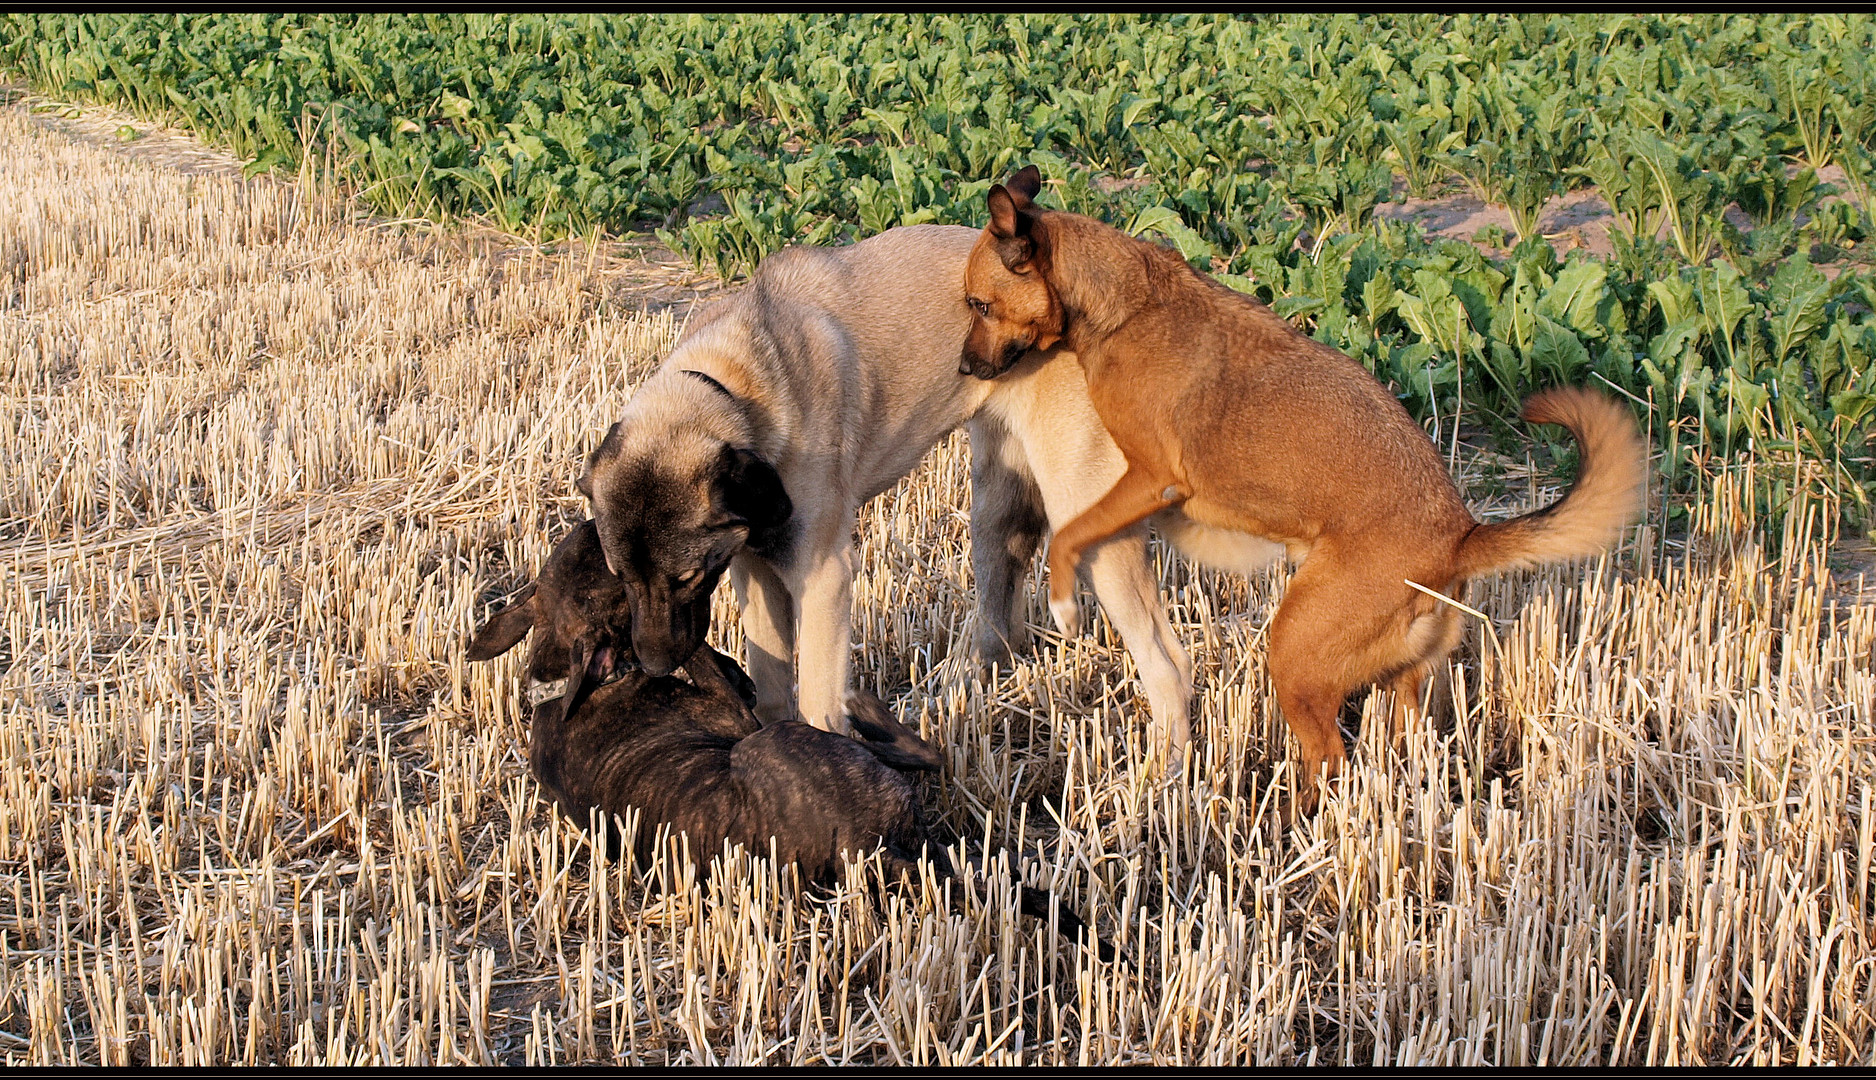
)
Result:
{"points": [[1609, 493]]}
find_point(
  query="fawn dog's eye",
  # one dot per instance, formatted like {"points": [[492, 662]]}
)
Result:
{"points": [[981, 307]]}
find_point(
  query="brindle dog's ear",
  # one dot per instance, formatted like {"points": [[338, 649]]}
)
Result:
{"points": [[505, 628], [589, 667], [752, 490], [893, 743]]}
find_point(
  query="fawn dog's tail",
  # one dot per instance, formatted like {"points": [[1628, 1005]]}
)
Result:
{"points": [[1611, 484]]}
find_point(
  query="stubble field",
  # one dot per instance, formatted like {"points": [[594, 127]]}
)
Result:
{"points": [[266, 463]]}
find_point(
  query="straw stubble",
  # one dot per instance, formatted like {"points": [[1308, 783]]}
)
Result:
{"points": [[267, 464]]}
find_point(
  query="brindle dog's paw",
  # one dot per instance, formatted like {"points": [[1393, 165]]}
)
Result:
{"points": [[893, 743]]}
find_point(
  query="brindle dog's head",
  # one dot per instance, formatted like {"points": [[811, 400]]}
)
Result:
{"points": [[581, 618], [672, 508], [1006, 282]]}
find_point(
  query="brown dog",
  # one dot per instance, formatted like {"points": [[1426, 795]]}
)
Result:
{"points": [[1219, 404]]}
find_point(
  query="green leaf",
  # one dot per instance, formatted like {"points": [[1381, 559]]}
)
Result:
{"points": [[1798, 295], [1378, 297], [1165, 220], [1671, 347], [1675, 297], [455, 106], [1744, 400], [1723, 302], [1436, 314], [1292, 307], [1557, 356], [1157, 218], [1138, 108], [1852, 406], [1574, 298]]}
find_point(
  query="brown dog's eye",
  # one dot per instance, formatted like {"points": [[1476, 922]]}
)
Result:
{"points": [[981, 307]]}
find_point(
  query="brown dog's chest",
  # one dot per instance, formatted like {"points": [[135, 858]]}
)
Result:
{"points": [[1137, 417]]}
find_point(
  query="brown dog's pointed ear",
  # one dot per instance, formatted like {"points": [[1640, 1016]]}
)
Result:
{"points": [[1004, 220], [505, 628], [1012, 225], [1025, 185]]}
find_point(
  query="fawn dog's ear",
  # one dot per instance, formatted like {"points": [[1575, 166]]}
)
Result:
{"points": [[505, 628], [749, 490], [607, 445]]}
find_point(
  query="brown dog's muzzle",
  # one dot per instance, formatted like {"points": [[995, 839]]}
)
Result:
{"points": [[984, 360]]}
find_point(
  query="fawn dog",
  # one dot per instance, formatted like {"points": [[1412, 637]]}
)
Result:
{"points": [[785, 408], [1222, 407]]}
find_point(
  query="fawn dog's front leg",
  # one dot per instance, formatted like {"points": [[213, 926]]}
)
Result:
{"points": [[1140, 493]]}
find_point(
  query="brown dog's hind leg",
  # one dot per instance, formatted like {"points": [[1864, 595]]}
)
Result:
{"points": [[1309, 689], [1430, 636], [1406, 688], [1310, 709], [1139, 494], [1339, 628]]}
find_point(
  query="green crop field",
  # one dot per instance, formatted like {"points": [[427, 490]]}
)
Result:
{"points": [[272, 444], [1262, 148]]}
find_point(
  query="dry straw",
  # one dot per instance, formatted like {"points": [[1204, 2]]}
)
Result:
{"points": [[265, 465]]}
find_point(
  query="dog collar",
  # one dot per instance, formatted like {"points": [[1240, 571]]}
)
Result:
{"points": [[719, 387], [539, 692]]}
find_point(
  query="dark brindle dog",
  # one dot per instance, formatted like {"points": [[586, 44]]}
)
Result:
{"points": [[691, 756]]}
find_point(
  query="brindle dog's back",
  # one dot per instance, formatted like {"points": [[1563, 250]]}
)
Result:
{"points": [[672, 754]]}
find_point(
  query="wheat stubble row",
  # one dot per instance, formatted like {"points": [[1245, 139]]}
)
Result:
{"points": [[266, 462]]}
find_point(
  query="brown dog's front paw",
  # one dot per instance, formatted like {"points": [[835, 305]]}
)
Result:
{"points": [[1067, 614]]}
